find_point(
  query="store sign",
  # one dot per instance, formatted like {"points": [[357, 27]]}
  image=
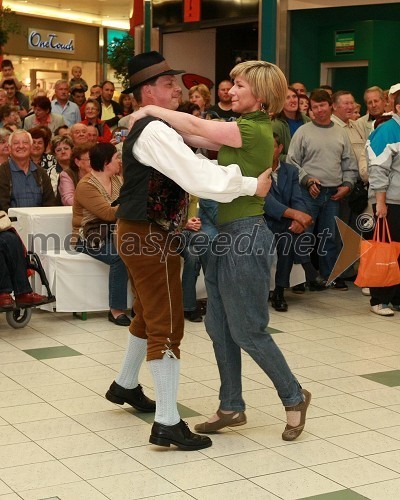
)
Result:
{"points": [[52, 41], [191, 11], [344, 42]]}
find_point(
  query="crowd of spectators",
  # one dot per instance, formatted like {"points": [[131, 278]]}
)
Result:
{"points": [[45, 148]]}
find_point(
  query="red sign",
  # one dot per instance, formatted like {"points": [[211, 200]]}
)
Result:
{"points": [[191, 11], [190, 80], [137, 16]]}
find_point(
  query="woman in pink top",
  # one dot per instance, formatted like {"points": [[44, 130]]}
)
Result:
{"points": [[69, 178]]}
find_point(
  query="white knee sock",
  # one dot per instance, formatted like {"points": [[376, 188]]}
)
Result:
{"points": [[165, 373], [134, 357]]}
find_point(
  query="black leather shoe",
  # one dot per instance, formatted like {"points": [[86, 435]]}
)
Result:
{"points": [[134, 397], [193, 316], [299, 289], [278, 302], [180, 435], [340, 285], [318, 284], [121, 320]]}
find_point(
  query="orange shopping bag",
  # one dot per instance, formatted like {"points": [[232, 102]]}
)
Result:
{"points": [[378, 259]]}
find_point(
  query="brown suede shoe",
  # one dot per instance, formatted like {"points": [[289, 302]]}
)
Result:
{"points": [[233, 419], [291, 433]]}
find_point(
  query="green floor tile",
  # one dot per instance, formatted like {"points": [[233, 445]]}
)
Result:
{"points": [[184, 412], [390, 378], [61, 351], [338, 495], [273, 330]]}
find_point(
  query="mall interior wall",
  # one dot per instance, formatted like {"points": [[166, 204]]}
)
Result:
{"points": [[376, 39]]}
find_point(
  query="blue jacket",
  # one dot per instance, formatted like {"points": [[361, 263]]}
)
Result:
{"points": [[383, 151], [283, 195]]}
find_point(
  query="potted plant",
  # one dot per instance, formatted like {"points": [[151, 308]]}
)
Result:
{"points": [[8, 25], [118, 53]]}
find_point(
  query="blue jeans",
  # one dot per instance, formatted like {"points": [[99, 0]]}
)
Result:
{"points": [[237, 311], [323, 211], [284, 244], [118, 276], [195, 257]]}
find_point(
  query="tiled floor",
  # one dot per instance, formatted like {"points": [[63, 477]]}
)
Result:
{"points": [[60, 439]]}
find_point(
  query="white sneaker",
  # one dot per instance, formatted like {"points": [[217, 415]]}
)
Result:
{"points": [[366, 292], [382, 310]]}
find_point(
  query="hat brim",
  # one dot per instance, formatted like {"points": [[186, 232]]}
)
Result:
{"points": [[164, 73]]}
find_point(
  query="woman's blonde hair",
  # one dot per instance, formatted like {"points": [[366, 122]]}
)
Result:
{"points": [[204, 91], [267, 82], [4, 135]]}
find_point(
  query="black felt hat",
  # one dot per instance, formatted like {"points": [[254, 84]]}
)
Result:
{"points": [[145, 67]]}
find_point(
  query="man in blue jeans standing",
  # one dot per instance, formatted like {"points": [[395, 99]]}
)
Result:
{"points": [[328, 170]]}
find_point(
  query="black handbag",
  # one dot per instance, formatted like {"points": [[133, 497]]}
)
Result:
{"points": [[97, 232], [358, 198]]}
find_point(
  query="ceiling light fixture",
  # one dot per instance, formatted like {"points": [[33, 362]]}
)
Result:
{"points": [[68, 14]]}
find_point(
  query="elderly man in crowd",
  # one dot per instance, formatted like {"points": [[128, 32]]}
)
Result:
{"points": [[22, 182], [375, 101], [79, 134]]}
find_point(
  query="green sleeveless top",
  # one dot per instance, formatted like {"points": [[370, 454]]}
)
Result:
{"points": [[253, 158]]}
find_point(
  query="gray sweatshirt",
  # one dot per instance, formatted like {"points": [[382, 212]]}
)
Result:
{"points": [[323, 152]]}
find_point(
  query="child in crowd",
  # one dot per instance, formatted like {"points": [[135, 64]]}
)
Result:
{"points": [[77, 79], [7, 70]]}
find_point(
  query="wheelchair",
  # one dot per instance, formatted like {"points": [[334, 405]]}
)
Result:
{"points": [[20, 317]]}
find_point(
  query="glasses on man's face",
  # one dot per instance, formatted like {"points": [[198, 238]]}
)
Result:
{"points": [[84, 159]]}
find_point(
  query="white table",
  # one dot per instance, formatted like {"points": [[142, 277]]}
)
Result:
{"points": [[43, 228], [79, 282]]}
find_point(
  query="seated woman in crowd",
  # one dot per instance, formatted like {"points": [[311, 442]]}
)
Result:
{"points": [[13, 274], [92, 112], [36, 93], [42, 115], [93, 218], [61, 149], [9, 117], [4, 146], [200, 95], [69, 178], [41, 140]]}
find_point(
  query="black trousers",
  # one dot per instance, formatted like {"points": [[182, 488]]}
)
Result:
{"points": [[13, 275], [389, 294]]}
